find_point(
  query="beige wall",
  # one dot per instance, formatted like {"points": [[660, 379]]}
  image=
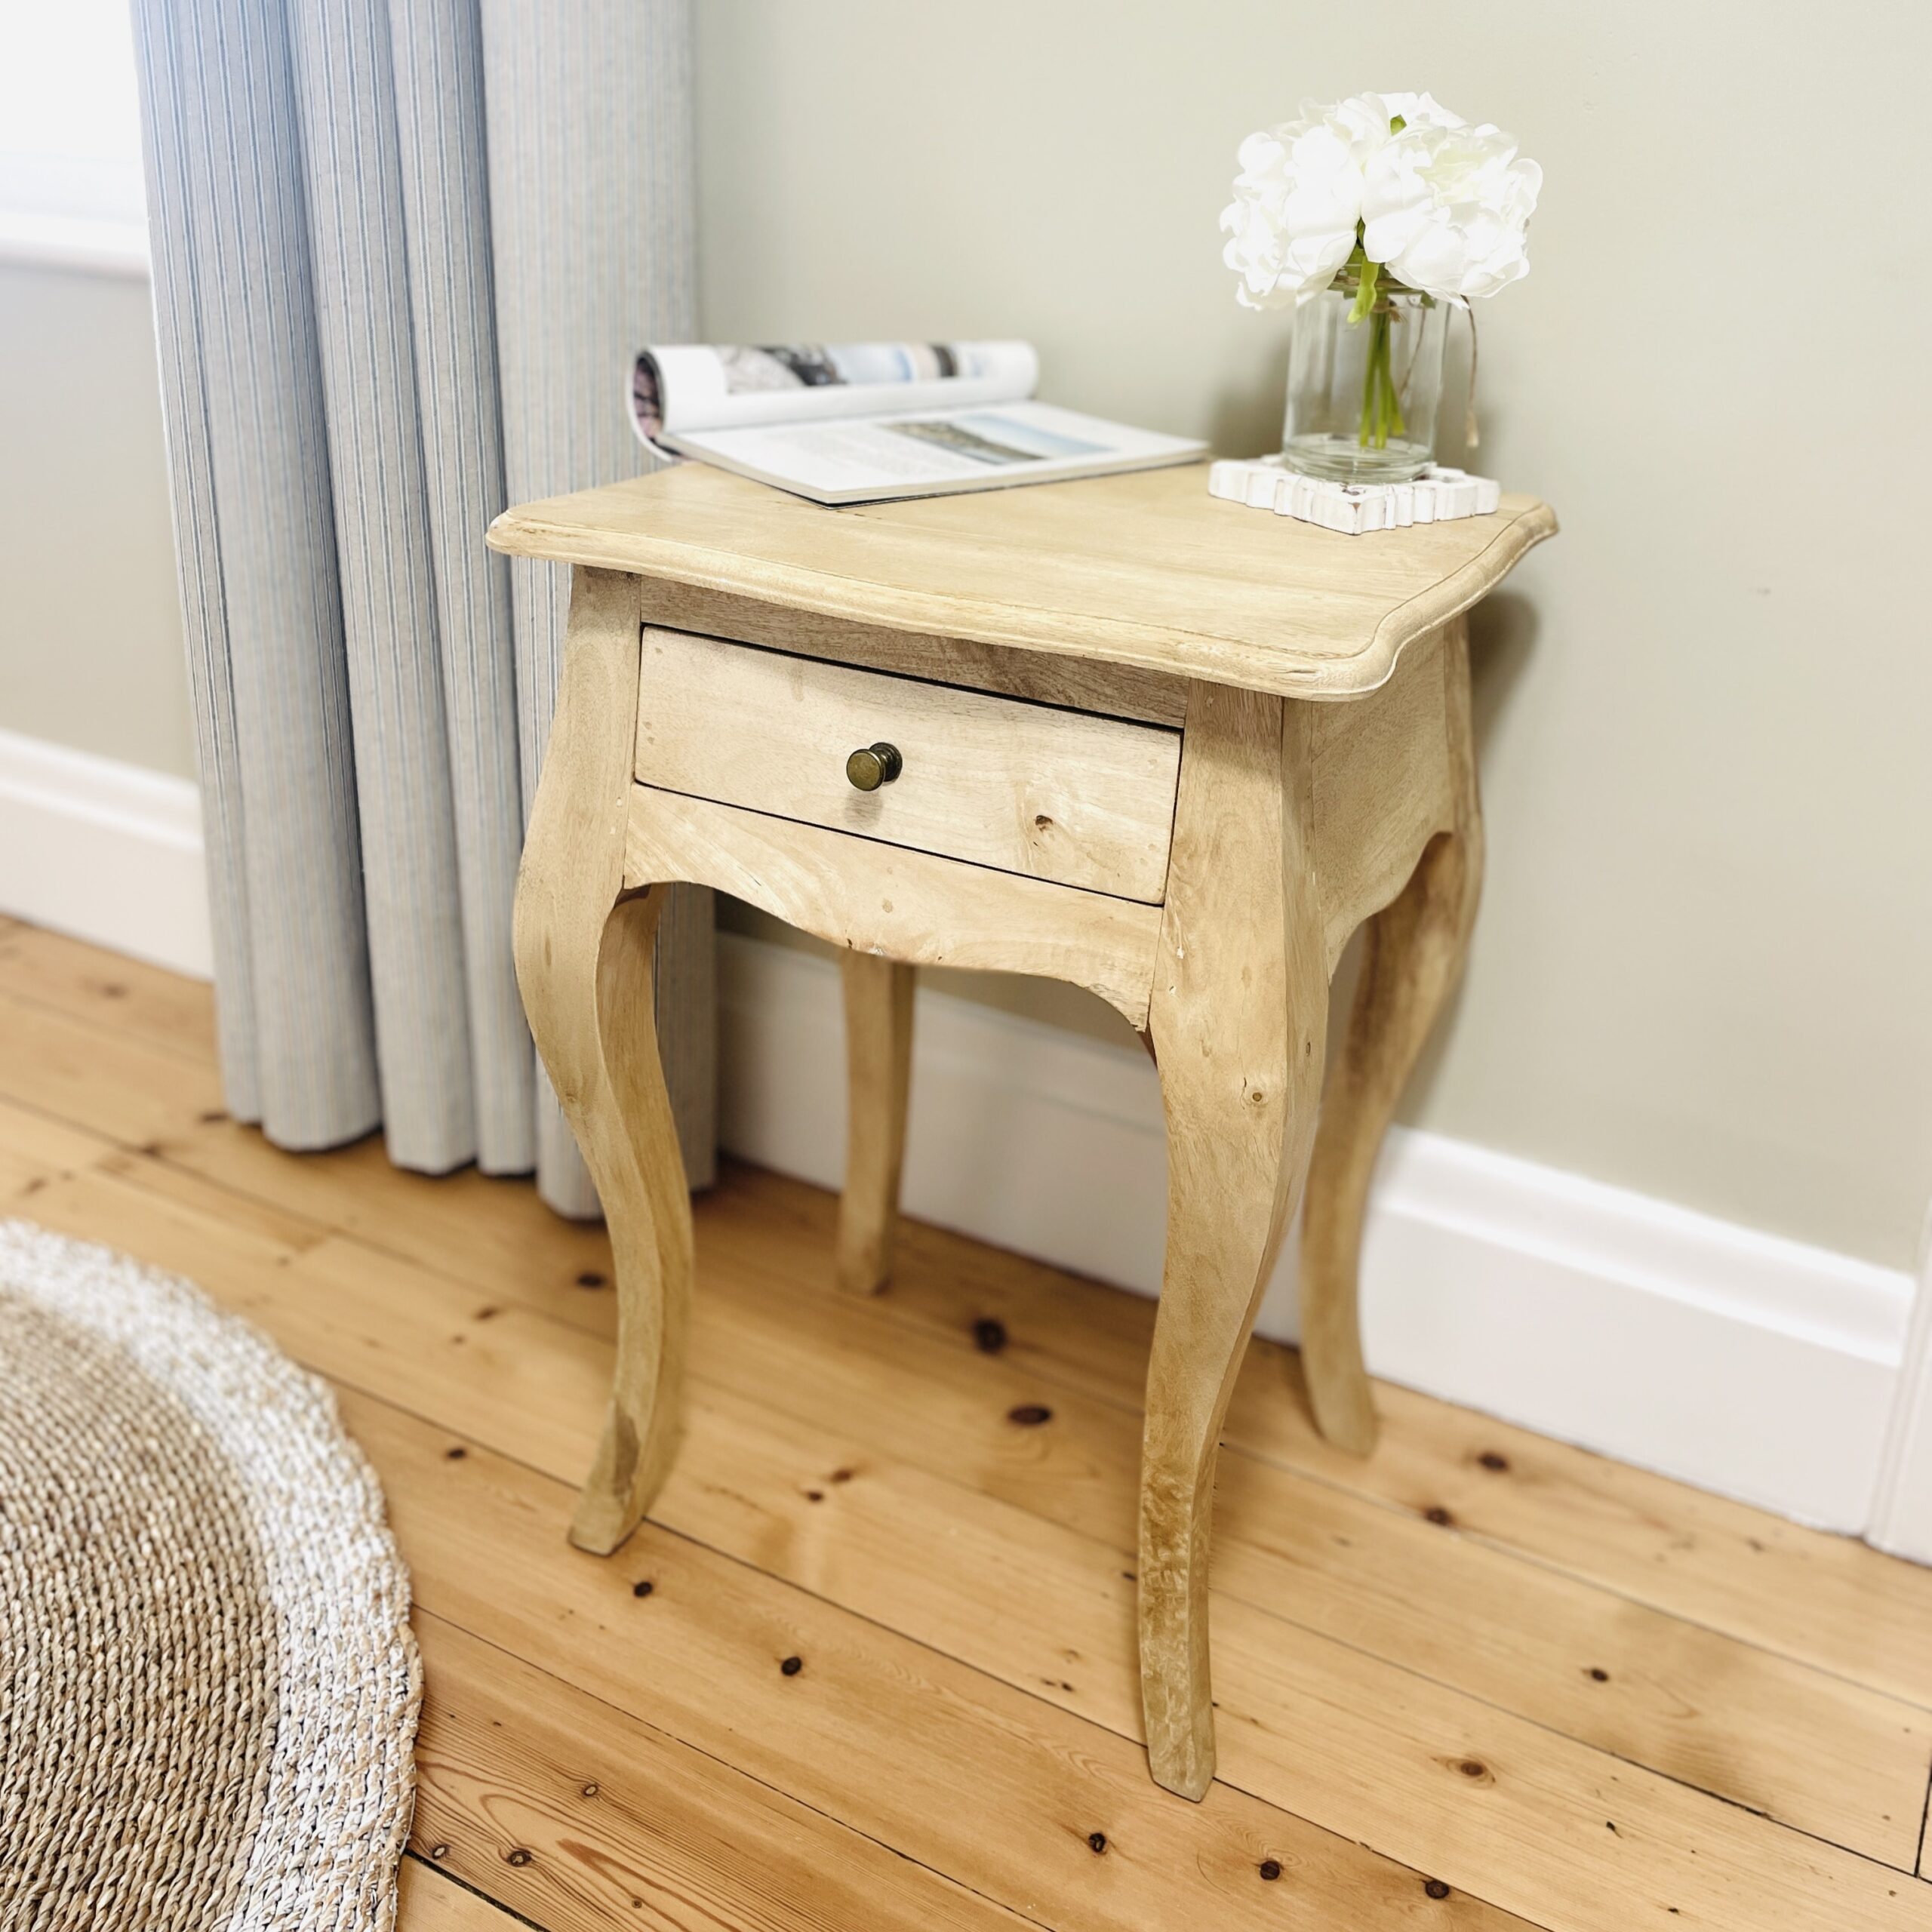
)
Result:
{"points": [[1705, 964], [90, 636]]}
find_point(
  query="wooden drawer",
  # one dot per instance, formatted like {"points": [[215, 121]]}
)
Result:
{"points": [[1064, 795]]}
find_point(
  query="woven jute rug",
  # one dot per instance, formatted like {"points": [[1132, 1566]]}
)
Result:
{"points": [[208, 1688]]}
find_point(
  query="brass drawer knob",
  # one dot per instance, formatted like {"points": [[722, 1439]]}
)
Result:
{"points": [[873, 766]]}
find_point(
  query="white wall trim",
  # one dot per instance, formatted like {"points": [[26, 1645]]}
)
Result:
{"points": [[1734, 1359], [74, 242], [1902, 1502], [103, 850]]}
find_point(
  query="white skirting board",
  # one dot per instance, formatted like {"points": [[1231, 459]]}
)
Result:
{"points": [[1733, 1359], [1901, 1504], [107, 851]]}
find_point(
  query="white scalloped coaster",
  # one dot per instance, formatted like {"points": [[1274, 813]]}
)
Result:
{"points": [[1437, 496]]}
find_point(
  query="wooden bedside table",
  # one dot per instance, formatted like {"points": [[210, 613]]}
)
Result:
{"points": [[1115, 732]]}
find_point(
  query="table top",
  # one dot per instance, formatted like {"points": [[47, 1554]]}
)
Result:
{"points": [[1146, 569]]}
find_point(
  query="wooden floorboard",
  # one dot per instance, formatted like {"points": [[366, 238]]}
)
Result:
{"points": [[125, 995], [1820, 1599], [427, 1901], [1588, 1699], [1824, 1599], [1804, 1746], [979, 1779], [580, 1816]]}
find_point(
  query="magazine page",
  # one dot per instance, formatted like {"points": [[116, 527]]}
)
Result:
{"points": [[934, 454], [676, 388]]}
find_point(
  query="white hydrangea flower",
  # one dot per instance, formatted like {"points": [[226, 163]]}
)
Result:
{"points": [[1446, 207], [1298, 198], [1417, 110], [1443, 205]]}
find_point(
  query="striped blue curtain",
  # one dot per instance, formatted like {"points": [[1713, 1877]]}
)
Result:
{"points": [[402, 251]]}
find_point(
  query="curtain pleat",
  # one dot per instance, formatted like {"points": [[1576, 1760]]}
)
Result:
{"points": [[438, 56], [290, 941], [402, 250], [169, 102], [346, 100], [564, 133]]}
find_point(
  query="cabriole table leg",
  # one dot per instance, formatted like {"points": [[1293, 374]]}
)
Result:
{"points": [[1412, 954], [584, 959], [1238, 1020]]}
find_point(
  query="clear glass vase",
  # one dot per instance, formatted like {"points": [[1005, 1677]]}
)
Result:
{"points": [[1364, 377]]}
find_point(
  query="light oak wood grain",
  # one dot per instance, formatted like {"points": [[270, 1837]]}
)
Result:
{"points": [[740, 749], [1643, 1539], [1145, 571], [1705, 1709], [1315, 1726], [1058, 1615], [1237, 1026], [907, 1431], [1367, 1576], [1709, 1709], [1388, 1757], [129, 995], [1114, 691], [898, 1382], [1420, 764], [384, 1297], [1027, 788], [1627, 1538], [426, 1902], [584, 961], [1827, 1600], [618, 1824], [34, 1150], [911, 906], [1386, 778], [1822, 1599], [1002, 1790], [1791, 1587], [878, 1061]]}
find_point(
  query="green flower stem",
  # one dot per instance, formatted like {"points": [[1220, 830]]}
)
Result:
{"points": [[1381, 354], [1381, 405], [1371, 388], [1391, 415], [1376, 325], [1364, 302], [1377, 392]]}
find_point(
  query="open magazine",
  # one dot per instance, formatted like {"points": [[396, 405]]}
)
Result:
{"points": [[856, 423]]}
